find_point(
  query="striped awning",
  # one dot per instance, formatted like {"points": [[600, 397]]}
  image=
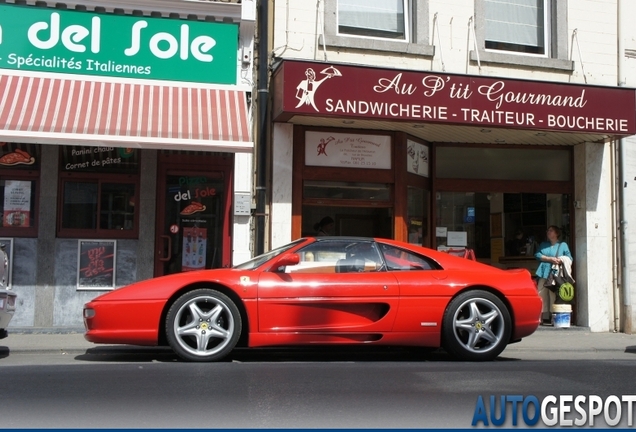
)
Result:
{"points": [[164, 115]]}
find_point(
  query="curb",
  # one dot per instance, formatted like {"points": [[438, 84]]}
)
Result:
{"points": [[45, 330], [571, 328]]}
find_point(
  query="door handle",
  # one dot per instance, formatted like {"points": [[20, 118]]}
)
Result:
{"points": [[168, 256]]}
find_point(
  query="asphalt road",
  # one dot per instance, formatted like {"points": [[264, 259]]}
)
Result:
{"points": [[131, 387]]}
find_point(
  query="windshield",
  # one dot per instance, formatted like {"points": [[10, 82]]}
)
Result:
{"points": [[259, 260]]}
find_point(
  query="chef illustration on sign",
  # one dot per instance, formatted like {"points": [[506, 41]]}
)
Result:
{"points": [[307, 88], [322, 147]]}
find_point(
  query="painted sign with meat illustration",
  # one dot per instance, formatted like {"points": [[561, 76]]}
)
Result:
{"points": [[19, 156]]}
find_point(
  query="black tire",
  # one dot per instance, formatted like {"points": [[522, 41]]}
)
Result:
{"points": [[476, 326], [203, 325]]}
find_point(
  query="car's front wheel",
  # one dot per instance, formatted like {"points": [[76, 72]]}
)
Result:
{"points": [[476, 326], [203, 325]]}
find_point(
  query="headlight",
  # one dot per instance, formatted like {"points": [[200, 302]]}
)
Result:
{"points": [[89, 313]]}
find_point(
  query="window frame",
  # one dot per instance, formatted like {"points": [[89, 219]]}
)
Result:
{"points": [[416, 25], [100, 179], [556, 56], [406, 5], [547, 36]]}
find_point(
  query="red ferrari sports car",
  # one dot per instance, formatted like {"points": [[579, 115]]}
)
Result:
{"points": [[327, 291]]}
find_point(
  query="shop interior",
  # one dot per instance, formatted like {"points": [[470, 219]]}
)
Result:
{"points": [[503, 229]]}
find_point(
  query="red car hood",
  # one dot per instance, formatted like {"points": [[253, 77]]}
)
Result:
{"points": [[161, 288]]}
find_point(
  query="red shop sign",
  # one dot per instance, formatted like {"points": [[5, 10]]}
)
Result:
{"points": [[336, 90]]}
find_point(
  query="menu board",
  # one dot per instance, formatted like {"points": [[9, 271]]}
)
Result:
{"points": [[96, 264], [348, 150], [194, 248], [17, 203], [99, 159]]}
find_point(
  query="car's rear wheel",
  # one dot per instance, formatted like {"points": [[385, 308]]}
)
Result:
{"points": [[203, 325], [476, 326]]}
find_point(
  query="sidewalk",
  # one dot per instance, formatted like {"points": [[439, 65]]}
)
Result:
{"points": [[46, 340], [574, 343]]}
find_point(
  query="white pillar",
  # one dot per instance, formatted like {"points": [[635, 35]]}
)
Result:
{"points": [[282, 170], [629, 194], [593, 235], [241, 229]]}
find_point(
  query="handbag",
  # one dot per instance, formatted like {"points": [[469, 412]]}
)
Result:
{"points": [[551, 282], [560, 283]]}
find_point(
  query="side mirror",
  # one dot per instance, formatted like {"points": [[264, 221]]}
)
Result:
{"points": [[285, 260]]}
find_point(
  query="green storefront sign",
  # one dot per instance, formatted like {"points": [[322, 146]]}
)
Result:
{"points": [[54, 40]]}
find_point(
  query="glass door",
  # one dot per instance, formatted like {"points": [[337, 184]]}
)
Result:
{"points": [[193, 222]]}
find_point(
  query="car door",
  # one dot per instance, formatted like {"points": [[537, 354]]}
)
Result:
{"points": [[424, 289], [333, 289]]}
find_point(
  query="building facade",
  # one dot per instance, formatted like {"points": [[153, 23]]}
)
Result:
{"points": [[627, 167], [125, 146], [466, 124]]}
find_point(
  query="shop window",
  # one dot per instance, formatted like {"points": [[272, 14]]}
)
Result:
{"points": [[347, 190], [456, 220], [19, 175], [396, 25], [99, 191], [503, 229], [522, 32], [502, 164], [93, 205], [349, 220], [417, 213]]}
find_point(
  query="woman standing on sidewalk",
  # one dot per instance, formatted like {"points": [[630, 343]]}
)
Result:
{"points": [[549, 253]]}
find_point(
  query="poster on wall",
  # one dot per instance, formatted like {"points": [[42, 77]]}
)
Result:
{"points": [[348, 150], [17, 204], [194, 248], [417, 158], [96, 264]]}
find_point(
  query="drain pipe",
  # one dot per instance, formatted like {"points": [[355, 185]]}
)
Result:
{"points": [[622, 167], [614, 207], [262, 127]]}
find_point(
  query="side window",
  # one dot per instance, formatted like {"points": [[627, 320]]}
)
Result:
{"points": [[522, 32], [98, 192], [338, 256], [319, 257], [402, 260], [379, 25]]}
